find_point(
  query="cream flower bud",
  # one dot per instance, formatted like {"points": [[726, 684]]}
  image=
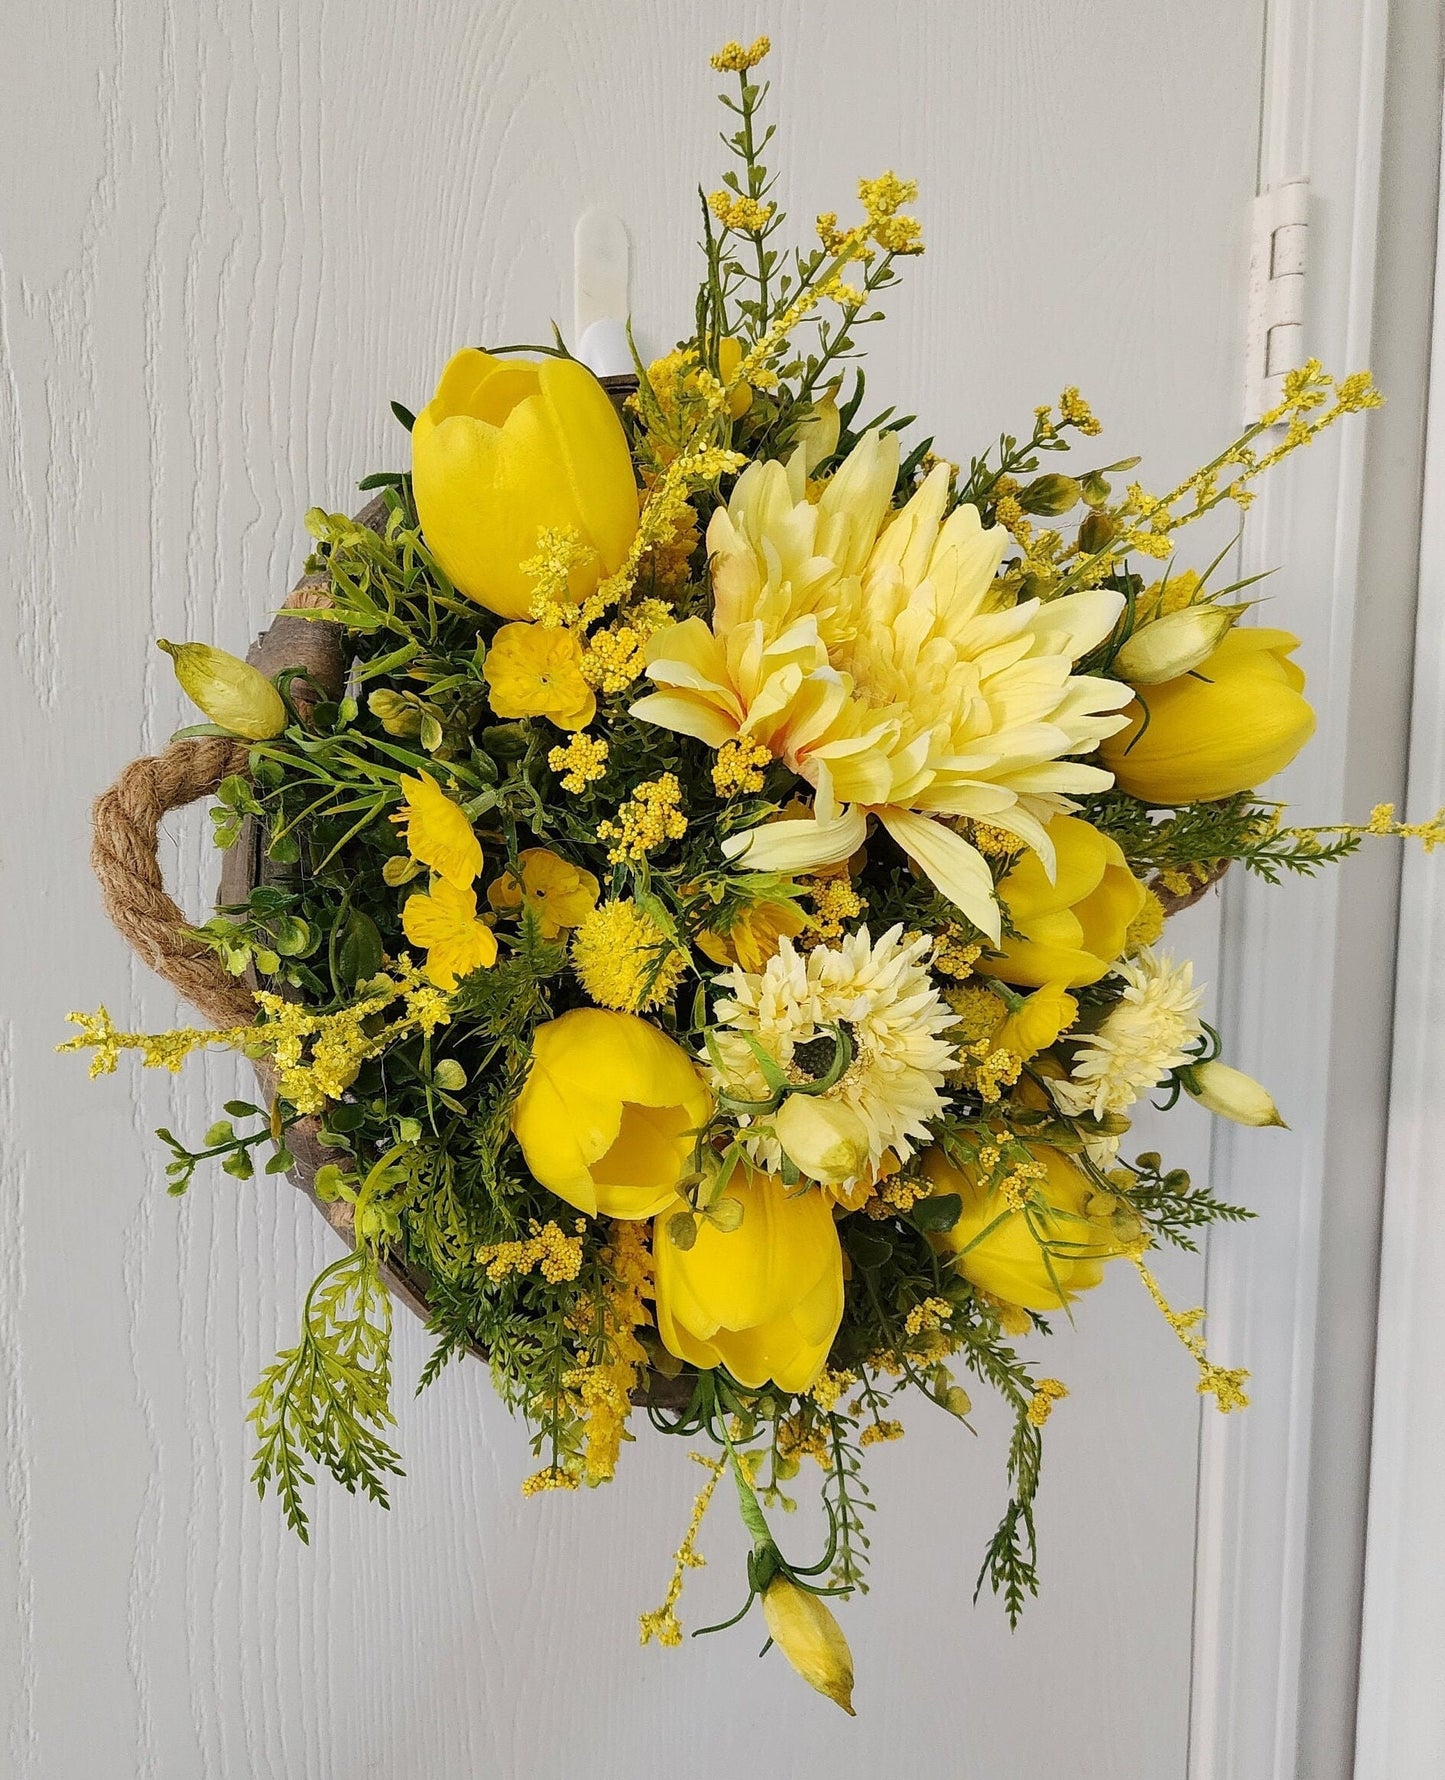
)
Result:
{"points": [[1232, 1094], [811, 1639], [825, 1139], [1172, 645], [233, 694]]}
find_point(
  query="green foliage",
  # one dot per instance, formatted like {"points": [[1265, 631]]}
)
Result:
{"points": [[325, 1400]]}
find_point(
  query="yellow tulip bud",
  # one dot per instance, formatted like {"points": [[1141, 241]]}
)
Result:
{"points": [[1231, 724], [1040, 1257], [810, 1637], [825, 1139], [508, 448], [607, 1114], [1173, 645], [764, 1299], [1072, 927], [1231, 1094], [729, 358], [233, 694], [819, 429]]}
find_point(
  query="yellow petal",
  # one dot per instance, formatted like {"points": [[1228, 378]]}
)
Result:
{"points": [[438, 833]]}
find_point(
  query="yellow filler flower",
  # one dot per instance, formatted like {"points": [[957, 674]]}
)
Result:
{"points": [[1236, 720], [533, 670], [765, 1299], [1030, 1242], [867, 651], [508, 448], [608, 1112], [1070, 930]]}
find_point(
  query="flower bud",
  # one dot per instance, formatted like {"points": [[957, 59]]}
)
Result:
{"points": [[812, 1640], [1050, 495], [1174, 644], [817, 432], [1231, 1094], [233, 694], [825, 1139]]}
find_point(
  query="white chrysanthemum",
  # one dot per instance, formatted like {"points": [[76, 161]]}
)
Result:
{"points": [[869, 650], [883, 995], [1141, 1040]]}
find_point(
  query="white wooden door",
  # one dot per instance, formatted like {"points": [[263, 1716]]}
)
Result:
{"points": [[227, 237]]}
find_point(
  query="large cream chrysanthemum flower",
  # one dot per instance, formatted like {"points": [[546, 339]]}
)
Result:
{"points": [[863, 648], [882, 994], [1146, 1035]]}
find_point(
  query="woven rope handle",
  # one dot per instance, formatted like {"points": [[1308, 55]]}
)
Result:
{"points": [[126, 827]]}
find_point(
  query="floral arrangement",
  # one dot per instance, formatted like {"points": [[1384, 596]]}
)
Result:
{"points": [[717, 928]]}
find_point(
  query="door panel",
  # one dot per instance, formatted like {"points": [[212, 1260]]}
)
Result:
{"points": [[255, 228]]}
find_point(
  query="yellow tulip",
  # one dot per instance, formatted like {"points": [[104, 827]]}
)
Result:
{"points": [[810, 1637], [1037, 1259], [233, 694], [1234, 722], [765, 1299], [535, 670], [507, 448], [607, 1115], [1074, 928]]}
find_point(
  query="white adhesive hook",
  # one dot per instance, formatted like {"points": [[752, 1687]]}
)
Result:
{"points": [[600, 272], [1274, 344]]}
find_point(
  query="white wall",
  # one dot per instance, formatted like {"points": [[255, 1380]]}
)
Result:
{"points": [[227, 236]]}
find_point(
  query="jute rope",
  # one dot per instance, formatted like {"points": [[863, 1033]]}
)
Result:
{"points": [[126, 827]]}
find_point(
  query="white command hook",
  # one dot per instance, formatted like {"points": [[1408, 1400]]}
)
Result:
{"points": [[600, 264], [1279, 237]]}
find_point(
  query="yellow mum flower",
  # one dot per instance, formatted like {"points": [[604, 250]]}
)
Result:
{"points": [[437, 832], [867, 650], [764, 1300], [535, 670], [445, 923], [607, 1114], [559, 894], [507, 449]]}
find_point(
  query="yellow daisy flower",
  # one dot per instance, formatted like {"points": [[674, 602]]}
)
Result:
{"points": [[437, 833], [535, 670], [445, 923], [559, 894]]}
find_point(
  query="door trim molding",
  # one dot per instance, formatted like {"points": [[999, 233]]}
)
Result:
{"points": [[1322, 117], [1400, 1728]]}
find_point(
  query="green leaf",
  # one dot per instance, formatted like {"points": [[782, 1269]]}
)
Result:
{"points": [[868, 1248], [242, 1109], [682, 1230], [291, 937], [356, 949], [726, 1215], [939, 1213], [449, 1075], [223, 1131], [239, 1164]]}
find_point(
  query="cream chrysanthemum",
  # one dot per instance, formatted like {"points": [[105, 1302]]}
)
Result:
{"points": [[1145, 1036], [866, 650], [882, 995]]}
